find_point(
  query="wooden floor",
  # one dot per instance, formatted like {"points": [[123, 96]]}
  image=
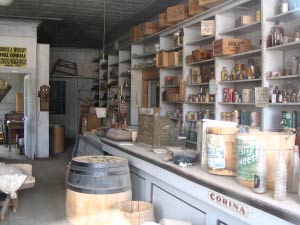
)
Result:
{"points": [[45, 204]]}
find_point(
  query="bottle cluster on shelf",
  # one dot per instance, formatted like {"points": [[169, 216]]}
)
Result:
{"points": [[202, 97], [200, 75], [284, 6], [230, 95], [288, 93], [199, 115], [242, 117], [174, 114], [242, 72]]}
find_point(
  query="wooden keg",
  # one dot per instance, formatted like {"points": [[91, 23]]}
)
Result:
{"points": [[96, 183], [221, 156], [246, 146]]}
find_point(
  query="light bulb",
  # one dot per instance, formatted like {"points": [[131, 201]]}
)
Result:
{"points": [[5, 2]]}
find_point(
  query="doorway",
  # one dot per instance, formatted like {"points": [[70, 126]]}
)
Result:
{"points": [[16, 106]]}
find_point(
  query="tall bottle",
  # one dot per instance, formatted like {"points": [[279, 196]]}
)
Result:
{"points": [[260, 175], [293, 172], [280, 178], [277, 38]]}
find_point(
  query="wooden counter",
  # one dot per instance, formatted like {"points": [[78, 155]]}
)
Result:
{"points": [[195, 195]]}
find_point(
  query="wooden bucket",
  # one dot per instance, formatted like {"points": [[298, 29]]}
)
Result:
{"points": [[221, 156], [246, 146], [137, 212], [96, 183]]}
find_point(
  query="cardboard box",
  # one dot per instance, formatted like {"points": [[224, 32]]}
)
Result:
{"points": [[201, 54], [135, 33], [244, 46], [207, 27], [194, 7], [189, 59], [19, 103], [171, 59], [178, 13], [178, 56], [228, 46], [244, 20], [148, 28], [162, 21], [91, 122]]}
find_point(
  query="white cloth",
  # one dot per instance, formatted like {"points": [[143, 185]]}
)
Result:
{"points": [[11, 179]]}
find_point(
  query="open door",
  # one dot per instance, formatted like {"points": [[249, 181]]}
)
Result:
{"points": [[27, 108]]}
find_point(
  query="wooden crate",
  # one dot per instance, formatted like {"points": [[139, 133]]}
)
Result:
{"points": [[163, 21], [227, 46], [210, 3], [148, 28], [135, 33], [207, 27], [194, 8], [201, 54], [178, 13]]}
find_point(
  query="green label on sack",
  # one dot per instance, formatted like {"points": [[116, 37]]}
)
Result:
{"points": [[246, 149]]}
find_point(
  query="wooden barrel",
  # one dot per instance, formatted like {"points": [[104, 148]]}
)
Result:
{"points": [[96, 183], [221, 156], [246, 150], [137, 212]]}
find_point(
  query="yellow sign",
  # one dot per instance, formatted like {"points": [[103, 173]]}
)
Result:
{"points": [[13, 57]]}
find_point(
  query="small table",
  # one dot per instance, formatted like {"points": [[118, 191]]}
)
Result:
{"points": [[13, 128]]}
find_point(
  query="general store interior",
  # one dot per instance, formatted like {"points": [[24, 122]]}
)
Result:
{"points": [[150, 112]]}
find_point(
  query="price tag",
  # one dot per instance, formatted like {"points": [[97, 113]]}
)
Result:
{"points": [[261, 97]]}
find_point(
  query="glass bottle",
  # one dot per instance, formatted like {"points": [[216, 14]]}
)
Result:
{"points": [[293, 172], [277, 38], [297, 34], [270, 38], [224, 74], [280, 178], [260, 175]]}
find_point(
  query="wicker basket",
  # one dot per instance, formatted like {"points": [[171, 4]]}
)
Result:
{"points": [[137, 212]]}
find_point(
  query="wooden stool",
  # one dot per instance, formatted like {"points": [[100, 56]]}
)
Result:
{"points": [[8, 202]]}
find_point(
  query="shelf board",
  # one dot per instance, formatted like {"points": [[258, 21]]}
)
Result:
{"points": [[193, 121], [239, 81], [171, 86], [242, 29], [285, 17], [291, 45], [195, 85], [286, 104], [203, 40], [171, 67], [200, 103], [233, 103], [191, 142], [144, 67], [167, 102], [149, 39], [114, 64], [126, 61], [201, 62], [283, 77], [150, 54], [243, 55], [177, 48]]}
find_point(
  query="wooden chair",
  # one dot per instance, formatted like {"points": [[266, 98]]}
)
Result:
{"points": [[28, 183]]}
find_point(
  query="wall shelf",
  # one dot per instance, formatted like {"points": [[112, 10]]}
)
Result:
{"points": [[147, 55], [201, 62], [242, 29], [167, 102], [283, 77], [291, 45], [144, 67], [286, 104], [233, 103], [284, 17], [239, 81], [125, 61], [200, 103], [174, 86], [191, 142], [114, 64], [202, 41], [248, 54], [171, 67], [196, 85]]}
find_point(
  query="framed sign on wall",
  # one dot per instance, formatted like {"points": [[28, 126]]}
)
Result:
{"points": [[13, 57]]}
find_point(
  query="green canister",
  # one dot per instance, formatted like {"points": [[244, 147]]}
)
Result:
{"points": [[289, 119]]}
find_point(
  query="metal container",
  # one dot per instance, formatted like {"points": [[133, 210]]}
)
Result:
{"points": [[247, 96], [245, 116], [289, 119], [235, 116]]}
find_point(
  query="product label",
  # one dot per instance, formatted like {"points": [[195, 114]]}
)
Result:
{"points": [[216, 151], [13, 57], [246, 149]]}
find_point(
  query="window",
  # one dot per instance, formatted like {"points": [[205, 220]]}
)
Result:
{"points": [[57, 97]]}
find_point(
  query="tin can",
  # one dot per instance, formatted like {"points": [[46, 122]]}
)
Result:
{"points": [[235, 116], [247, 95], [236, 97], [223, 116], [206, 114], [228, 116], [289, 119], [245, 116], [254, 119]]}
